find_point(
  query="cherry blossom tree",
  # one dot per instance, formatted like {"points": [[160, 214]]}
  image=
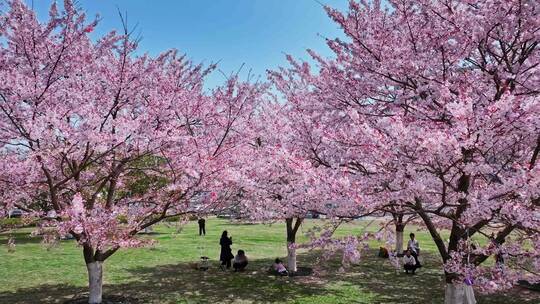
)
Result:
{"points": [[400, 219], [273, 179], [102, 143], [433, 107], [280, 184]]}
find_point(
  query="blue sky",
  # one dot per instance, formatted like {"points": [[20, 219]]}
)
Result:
{"points": [[255, 32]]}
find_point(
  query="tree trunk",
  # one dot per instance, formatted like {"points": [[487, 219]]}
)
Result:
{"points": [[95, 281], [399, 241], [458, 293], [292, 228], [400, 227], [291, 257]]}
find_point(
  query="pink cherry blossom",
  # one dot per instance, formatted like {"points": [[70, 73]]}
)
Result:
{"points": [[431, 109], [111, 141]]}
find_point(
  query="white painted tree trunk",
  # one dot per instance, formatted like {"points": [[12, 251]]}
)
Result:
{"points": [[399, 242], [95, 282], [291, 257], [459, 294]]}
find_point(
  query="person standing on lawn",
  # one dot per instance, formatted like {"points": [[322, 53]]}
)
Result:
{"points": [[226, 252], [202, 228], [414, 247]]}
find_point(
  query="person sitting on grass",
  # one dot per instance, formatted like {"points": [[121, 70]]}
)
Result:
{"points": [[383, 253], [280, 268], [409, 262], [240, 261]]}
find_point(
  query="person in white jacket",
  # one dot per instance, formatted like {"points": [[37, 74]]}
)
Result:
{"points": [[414, 247], [409, 262]]}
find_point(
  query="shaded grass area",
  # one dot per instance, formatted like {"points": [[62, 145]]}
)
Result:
{"points": [[165, 273]]}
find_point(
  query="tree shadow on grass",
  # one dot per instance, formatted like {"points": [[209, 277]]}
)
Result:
{"points": [[182, 283], [45, 293], [255, 284], [391, 285]]}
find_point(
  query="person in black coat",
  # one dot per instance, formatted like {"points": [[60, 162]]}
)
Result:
{"points": [[202, 228], [226, 252]]}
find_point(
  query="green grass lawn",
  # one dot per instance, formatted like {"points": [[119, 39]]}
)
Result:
{"points": [[164, 273]]}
